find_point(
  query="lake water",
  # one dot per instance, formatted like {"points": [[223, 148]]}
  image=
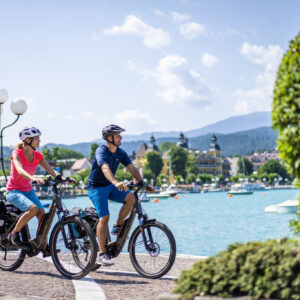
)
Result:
{"points": [[204, 224]]}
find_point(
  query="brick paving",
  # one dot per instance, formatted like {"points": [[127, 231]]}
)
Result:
{"points": [[36, 277], [39, 278], [124, 286]]}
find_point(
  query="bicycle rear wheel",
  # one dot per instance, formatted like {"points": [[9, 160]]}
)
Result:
{"points": [[158, 257], [11, 257], [77, 256]]}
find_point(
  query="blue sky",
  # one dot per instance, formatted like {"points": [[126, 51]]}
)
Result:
{"points": [[145, 65]]}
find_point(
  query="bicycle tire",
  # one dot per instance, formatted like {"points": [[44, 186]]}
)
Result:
{"points": [[79, 247], [163, 254], [11, 258]]}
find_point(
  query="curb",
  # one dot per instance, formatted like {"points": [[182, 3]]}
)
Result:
{"points": [[178, 297], [5, 296]]}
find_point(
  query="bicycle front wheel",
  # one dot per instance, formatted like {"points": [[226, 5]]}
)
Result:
{"points": [[11, 257], [154, 256], [73, 247]]}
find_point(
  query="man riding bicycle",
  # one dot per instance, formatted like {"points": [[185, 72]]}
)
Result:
{"points": [[102, 185]]}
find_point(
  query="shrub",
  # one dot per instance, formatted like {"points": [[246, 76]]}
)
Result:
{"points": [[257, 269]]}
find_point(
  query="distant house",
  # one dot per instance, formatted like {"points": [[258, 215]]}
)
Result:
{"points": [[258, 159], [80, 165], [77, 166]]}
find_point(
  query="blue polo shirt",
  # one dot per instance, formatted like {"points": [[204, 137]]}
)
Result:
{"points": [[104, 156]]}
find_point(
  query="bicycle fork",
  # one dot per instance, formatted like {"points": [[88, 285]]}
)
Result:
{"points": [[147, 236]]}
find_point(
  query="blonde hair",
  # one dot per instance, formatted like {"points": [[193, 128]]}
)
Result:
{"points": [[20, 145]]}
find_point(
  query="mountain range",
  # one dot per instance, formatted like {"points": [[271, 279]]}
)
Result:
{"points": [[229, 125], [237, 135]]}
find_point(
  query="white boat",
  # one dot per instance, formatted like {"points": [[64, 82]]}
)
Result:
{"points": [[240, 192], [239, 189], [168, 193], [289, 206], [157, 195], [169, 190]]}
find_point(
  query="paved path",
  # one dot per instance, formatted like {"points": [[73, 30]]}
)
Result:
{"points": [[39, 278]]}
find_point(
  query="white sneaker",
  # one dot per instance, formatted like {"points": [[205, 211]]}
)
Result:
{"points": [[104, 259]]}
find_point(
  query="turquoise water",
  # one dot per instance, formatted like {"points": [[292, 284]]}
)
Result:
{"points": [[204, 224]]}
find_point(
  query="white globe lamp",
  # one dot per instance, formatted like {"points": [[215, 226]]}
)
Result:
{"points": [[3, 96], [19, 106]]}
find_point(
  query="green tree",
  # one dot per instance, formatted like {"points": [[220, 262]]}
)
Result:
{"points": [[179, 179], [191, 178], [273, 166], [221, 179], [263, 177], [165, 146], [179, 160], [273, 177], [191, 165], [55, 153], [162, 178], [234, 179], [245, 166], [84, 173], [93, 149], [286, 108], [154, 162], [47, 153], [286, 113], [121, 175], [253, 177], [148, 175], [66, 153]]}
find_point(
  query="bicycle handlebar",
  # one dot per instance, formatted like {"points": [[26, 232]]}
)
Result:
{"points": [[52, 182], [139, 185]]}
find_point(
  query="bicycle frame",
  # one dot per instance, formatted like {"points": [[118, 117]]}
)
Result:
{"points": [[35, 245], [114, 248]]}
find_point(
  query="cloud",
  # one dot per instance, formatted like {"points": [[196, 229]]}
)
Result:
{"points": [[70, 117], [135, 120], [159, 13], [177, 17], [260, 97], [179, 84], [152, 37], [190, 30], [209, 60], [88, 115]]}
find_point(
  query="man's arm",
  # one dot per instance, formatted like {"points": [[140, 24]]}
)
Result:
{"points": [[111, 178], [134, 172]]}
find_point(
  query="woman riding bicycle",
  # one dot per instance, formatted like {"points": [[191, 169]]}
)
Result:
{"points": [[24, 162]]}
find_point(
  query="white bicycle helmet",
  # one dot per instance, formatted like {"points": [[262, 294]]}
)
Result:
{"points": [[29, 132]]}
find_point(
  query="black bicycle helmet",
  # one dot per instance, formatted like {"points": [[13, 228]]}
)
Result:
{"points": [[110, 130]]}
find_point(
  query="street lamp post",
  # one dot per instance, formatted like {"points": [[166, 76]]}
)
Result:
{"points": [[18, 107]]}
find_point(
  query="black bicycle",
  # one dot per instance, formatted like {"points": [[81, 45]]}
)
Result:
{"points": [[152, 247], [67, 247]]}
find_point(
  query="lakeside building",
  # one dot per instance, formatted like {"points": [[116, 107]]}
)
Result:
{"points": [[209, 162], [258, 159], [212, 162]]}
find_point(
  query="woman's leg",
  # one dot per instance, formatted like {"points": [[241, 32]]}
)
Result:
{"points": [[25, 218], [20, 200]]}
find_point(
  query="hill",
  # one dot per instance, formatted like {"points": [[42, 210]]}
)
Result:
{"points": [[229, 125], [238, 143]]}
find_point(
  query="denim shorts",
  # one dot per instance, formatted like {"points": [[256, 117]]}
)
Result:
{"points": [[100, 196], [23, 200]]}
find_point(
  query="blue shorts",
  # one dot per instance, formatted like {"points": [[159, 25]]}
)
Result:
{"points": [[100, 196], [23, 200]]}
